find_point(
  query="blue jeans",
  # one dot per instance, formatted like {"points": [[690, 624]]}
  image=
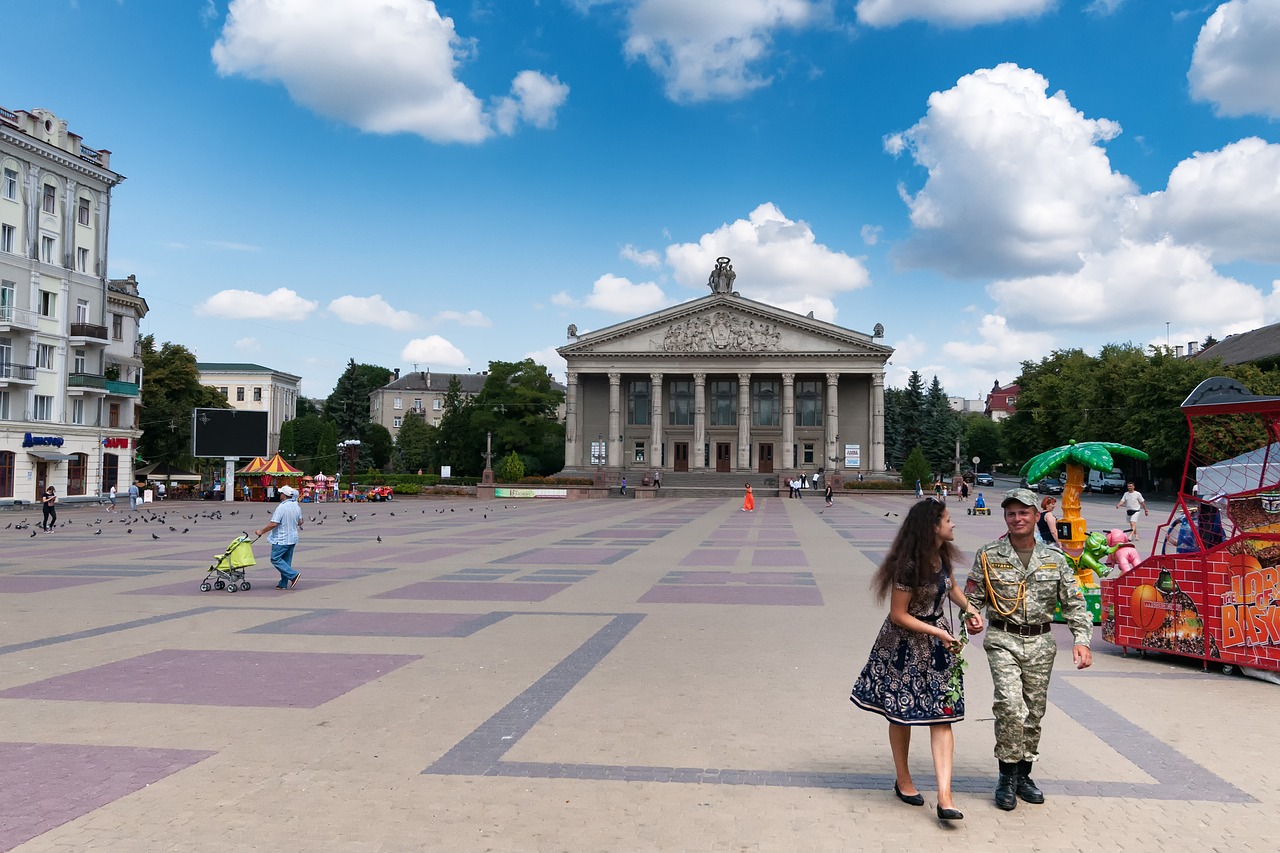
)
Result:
{"points": [[282, 559]]}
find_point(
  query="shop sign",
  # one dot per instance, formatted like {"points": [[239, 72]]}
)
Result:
{"points": [[120, 443], [30, 440], [505, 492]]}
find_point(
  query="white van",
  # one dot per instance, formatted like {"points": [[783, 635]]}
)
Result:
{"points": [[1106, 482]]}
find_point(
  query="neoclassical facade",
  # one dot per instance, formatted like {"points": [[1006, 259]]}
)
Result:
{"points": [[725, 384]]}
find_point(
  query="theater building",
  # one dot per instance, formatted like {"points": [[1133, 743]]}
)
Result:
{"points": [[725, 384]]}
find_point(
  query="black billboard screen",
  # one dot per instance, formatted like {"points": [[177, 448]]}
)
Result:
{"points": [[226, 433]]}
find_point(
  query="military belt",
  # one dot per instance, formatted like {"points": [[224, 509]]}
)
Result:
{"points": [[1020, 630]]}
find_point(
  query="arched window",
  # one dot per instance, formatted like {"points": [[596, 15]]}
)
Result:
{"points": [[6, 473], [77, 466]]}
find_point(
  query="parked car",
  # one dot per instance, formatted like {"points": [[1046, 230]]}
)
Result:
{"points": [[1049, 486], [986, 480], [1106, 482]]}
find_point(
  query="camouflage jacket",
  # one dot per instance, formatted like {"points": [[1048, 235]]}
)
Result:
{"points": [[1049, 581]]}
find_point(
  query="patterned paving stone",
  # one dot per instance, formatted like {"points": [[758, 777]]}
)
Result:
{"points": [[475, 591], [569, 556], [28, 583], [350, 623]]}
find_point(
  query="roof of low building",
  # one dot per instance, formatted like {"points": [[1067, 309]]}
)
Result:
{"points": [[1246, 346], [425, 380], [239, 367]]}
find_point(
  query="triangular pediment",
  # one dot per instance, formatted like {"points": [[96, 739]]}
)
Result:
{"points": [[724, 325]]}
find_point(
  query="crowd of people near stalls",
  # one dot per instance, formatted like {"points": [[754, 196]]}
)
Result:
{"points": [[353, 493]]}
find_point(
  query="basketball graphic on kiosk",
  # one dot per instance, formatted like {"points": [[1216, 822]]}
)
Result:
{"points": [[1241, 564], [1146, 613]]}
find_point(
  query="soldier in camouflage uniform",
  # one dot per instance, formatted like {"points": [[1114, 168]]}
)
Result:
{"points": [[1019, 581]]}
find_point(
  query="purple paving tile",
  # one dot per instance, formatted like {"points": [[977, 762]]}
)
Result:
{"points": [[569, 556], [218, 677], [749, 578], [735, 594], [27, 583], [258, 583], [778, 557], [411, 555], [350, 623], [48, 784], [707, 557], [475, 591]]}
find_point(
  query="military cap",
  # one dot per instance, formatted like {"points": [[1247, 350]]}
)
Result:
{"points": [[1022, 496]]}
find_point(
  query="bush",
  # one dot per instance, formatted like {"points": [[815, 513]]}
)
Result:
{"points": [[556, 482], [917, 468], [406, 489], [511, 468], [876, 485]]}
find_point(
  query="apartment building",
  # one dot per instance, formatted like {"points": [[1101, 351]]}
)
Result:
{"points": [[420, 392], [254, 388], [70, 373]]}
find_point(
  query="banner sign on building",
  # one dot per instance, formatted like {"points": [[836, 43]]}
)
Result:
{"points": [[853, 456], [504, 492]]}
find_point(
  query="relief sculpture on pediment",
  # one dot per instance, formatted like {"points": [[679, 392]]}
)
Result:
{"points": [[721, 332]]}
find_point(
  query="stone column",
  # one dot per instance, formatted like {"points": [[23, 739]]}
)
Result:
{"points": [[699, 420], [613, 442], [832, 420], [877, 421], [655, 421], [788, 421], [744, 421], [572, 424]]}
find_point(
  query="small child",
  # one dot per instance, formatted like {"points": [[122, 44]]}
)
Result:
{"points": [[980, 502]]}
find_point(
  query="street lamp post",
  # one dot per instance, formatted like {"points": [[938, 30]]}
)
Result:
{"points": [[350, 451]]}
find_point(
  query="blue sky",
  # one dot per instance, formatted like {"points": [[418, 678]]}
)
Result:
{"points": [[444, 184]]}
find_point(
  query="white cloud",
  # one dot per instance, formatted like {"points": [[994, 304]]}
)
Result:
{"points": [[280, 304], [1104, 7], [998, 346], [1018, 183], [552, 361], [534, 99], [711, 49], [1236, 63], [248, 345], [234, 247], [647, 258], [385, 67], [620, 296], [563, 299], [1227, 201], [371, 311], [783, 264], [463, 318], [1162, 281], [871, 234], [955, 13], [434, 351]]}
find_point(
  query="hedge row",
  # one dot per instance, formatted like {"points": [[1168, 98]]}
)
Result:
{"points": [[875, 486]]}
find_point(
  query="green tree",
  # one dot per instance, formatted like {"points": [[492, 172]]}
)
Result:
{"points": [[416, 444], [305, 407], [377, 442], [456, 441], [982, 438], [171, 389], [325, 455], [511, 468], [518, 405], [941, 427], [904, 419], [348, 405], [916, 468]]}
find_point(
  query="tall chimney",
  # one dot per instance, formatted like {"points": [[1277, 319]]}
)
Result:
{"points": [[1191, 347], [1178, 350], [397, 374]]}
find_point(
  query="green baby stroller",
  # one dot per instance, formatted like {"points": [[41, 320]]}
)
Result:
{"points": [[227, 571]]}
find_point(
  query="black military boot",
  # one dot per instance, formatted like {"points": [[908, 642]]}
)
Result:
{"points": [[1027, 789], [1005, 798]]}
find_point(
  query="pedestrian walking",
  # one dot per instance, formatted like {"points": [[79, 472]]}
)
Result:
{"points": [[911, 677], [49, 509], [111, 496], [748, 500], [1019, 582], [624, 487], [284, 527], [1133, 503], [828, 493], [133, 496], [657, 479]]}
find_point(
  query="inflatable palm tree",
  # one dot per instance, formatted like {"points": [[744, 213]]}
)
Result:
{"points": [[1096, 455]]}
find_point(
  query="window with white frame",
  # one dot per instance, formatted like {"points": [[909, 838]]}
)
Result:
{"points": [[48, 248], [82, 212], [11, 184], [225, 395], [49, 202], [8, 236], [48, 303], [240, 394], [82, 259], [257, 394], [82, 311], [77, 411], [44, 408], [44, 356], [4, 405], [397, 403], [117, 329], [80, 362], [8, 300], [396, 421], [437, 404], [417, 404]]}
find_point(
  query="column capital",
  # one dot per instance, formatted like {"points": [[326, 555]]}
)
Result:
{"points": [[699, 378], [788, 379], [877, 378], [615, 378], [833, 378], [570, 377], [744, 378], [655, 378]]}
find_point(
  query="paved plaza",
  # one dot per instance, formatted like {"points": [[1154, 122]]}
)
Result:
{"points": [[619, 675]]}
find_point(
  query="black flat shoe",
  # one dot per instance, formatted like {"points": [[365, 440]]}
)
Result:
{"points": [[916, 799], [950, 814]]}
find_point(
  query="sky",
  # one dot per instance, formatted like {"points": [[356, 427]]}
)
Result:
{"points": [[437, 185]]}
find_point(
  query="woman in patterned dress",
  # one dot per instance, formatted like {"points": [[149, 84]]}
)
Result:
{"points": [[906, 677]]}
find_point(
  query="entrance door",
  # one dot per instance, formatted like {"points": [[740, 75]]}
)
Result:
{"points": [[766, 458], [681, 456], [723, 457], [42, 478]]}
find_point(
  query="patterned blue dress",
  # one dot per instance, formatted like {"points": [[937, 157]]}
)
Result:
{"points": [[905, 679]]}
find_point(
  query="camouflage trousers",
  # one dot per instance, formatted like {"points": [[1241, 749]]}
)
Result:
{"points": [[1020, 668]]}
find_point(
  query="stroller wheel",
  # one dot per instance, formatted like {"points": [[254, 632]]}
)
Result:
{"points": [[204, 587], [232, 587], [245, 586], [219, 584]]}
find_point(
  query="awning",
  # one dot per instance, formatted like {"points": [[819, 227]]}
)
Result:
{"points": [[50, 455]]}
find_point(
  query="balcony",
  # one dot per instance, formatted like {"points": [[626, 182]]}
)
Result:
{"points": [[122, 389], [86, 382], [17, 319], [89, 333], [10, 373]]}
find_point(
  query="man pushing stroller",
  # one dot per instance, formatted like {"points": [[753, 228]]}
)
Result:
{"points": [[284, 526]]}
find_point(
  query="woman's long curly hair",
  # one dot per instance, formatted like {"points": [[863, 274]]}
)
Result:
{"points": [[915, 556]]}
